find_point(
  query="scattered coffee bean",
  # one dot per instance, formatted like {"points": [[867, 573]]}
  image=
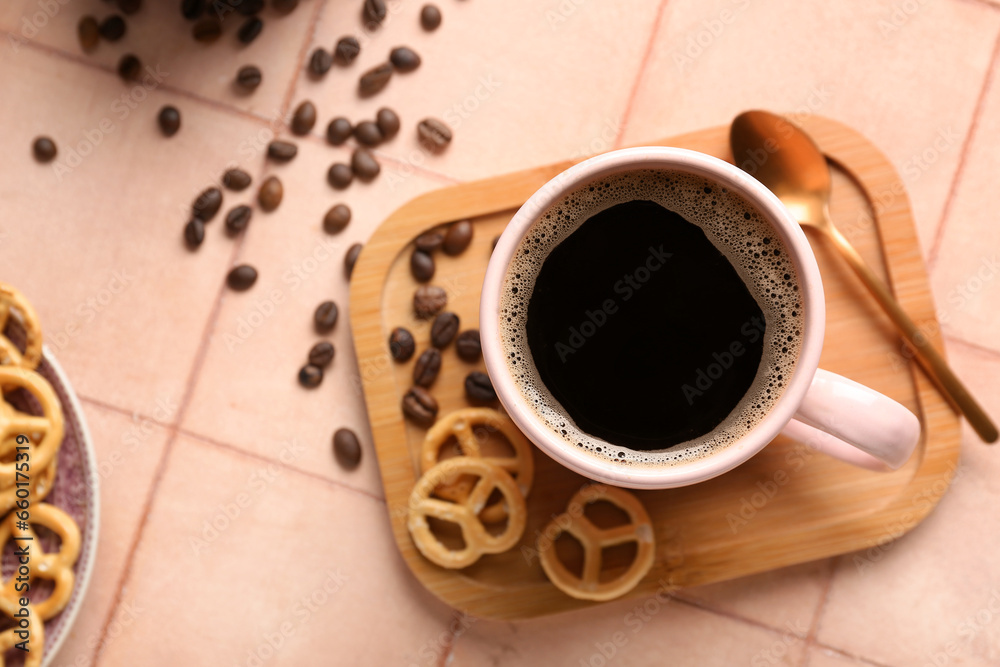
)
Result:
{"points": [[374, 11], [192, 9], [129, 7], [236, 180], [207, 30], [426, 370], [428, 300], [237, 219], [336, 219], [338, 131], [496, 240], [320, 62], [249, 7], [387, 122], [322, 354], [44, 149], [401, 344], [194, 233], [368, 133], [310, 376], [248, 77], [444, 329], [478, 388], [89, 33], [347, 49], [207, 204], [112, 28], [468, 345], [325, 317], [339, 175], [434, 134], [429, 241], [284, 6], [364, 164], [249, 30], [374, 79], [241, 277], [404, 59], [430, 17], [130, 67], [420, 406], [270, 193], [421, 265], [170, 120], [457, 238], [304, 118], [346, 448], [351, 258], [282, 151]]}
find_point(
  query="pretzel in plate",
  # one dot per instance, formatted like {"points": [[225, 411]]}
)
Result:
{"points": [[461, 425], [594, 540], [36, 633], [44, 432], [39, 486], [465, 513], [13, 303]]}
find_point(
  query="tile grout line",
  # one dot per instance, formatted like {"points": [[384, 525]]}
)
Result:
{"points": [[982, 349], [824, 598], [977, 114], [724, 613], [643, 64], [126, 412], [852, 656], [300, 61]]}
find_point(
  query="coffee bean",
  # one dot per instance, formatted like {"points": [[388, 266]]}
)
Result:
{"points": [[404, 59], [249, 7], [322, 354], [374, 79], [270, 193], [478, 388], [236, 180], [325, 317], [248, 77], [241, 277], [351, 258], [237, 219], [129, 7], [364, 164], [336, 219], [304, 118], [89, 33], [430, 17], [429, 241], [169, 120], [112, 28], [130, 67], [374, 11], [249, 30], [310, 376], [44, 149], [428, 300], [387, 122], [207, 30], [444, 329], [282, 151], [346, 448], [339, 175], [320, 62], [468, 345], [368, 133], [347, 49], [421, 265], [207, 204], [434, 134], [192, 9], [420, 406], [457, 238], [338, 131], [284, 6], [194, 233], [426, 370], [401, 344]]}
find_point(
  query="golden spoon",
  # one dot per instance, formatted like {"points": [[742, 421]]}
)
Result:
{"points": [[794, 168]]}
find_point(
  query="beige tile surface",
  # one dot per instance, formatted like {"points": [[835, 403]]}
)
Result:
{"points": [[821, 657]]}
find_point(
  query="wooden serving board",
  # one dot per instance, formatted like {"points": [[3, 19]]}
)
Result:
{"points": [[787, 505]]}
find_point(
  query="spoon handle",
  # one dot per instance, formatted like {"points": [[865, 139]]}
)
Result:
{"points": [[932, 362]]}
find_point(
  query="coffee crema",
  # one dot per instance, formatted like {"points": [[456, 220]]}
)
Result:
{"points": [[720, 323]]}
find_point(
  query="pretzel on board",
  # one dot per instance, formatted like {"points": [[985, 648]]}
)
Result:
{"points": [[44, 432], [13, 303]]}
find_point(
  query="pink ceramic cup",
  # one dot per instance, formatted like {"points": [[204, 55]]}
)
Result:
{"points": [[826, 411]]}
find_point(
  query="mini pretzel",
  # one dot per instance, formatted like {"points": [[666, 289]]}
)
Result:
{"points": [[594, 540], [459, 424], [465, 513], [13, 302], [45, 432], [36, 633], [38, 488], [55, 566]]}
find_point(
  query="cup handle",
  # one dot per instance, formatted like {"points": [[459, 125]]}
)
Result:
{"points": [[853, 423]]}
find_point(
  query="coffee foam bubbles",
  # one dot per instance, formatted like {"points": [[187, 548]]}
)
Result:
{"points": [[736, 228]]}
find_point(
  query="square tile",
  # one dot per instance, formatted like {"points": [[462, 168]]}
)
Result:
{"points": [[821, 657]]}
